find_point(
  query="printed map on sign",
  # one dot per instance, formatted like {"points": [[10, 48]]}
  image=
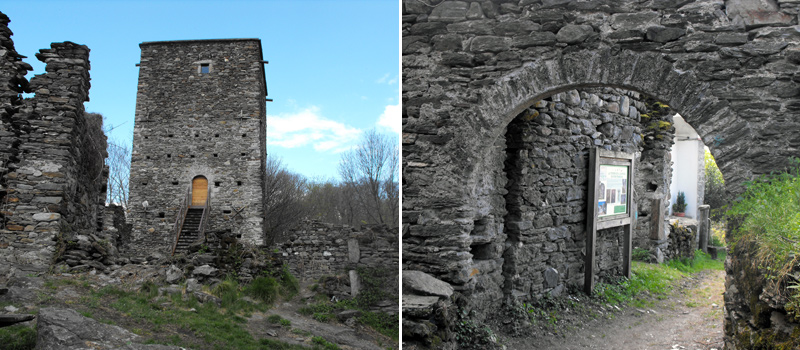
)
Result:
{"points": [[612, 190]]}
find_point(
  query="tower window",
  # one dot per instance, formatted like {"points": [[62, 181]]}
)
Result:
{"points": [[216, 155], [205, 68], [161, 214], [216, 135], [238, 183], [217, 183], [169, 155]]}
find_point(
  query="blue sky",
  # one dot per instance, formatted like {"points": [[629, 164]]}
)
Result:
{"points": [[333, 71]]}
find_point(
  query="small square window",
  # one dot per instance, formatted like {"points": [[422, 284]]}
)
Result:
{"points": [[216, 155], [217, 183], [205, 68], [238, 183]]}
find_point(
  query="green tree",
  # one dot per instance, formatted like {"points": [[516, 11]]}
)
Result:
{"points": [[714, 193]]}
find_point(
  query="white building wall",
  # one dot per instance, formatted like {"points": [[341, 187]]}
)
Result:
{"points": [[687, 167]]}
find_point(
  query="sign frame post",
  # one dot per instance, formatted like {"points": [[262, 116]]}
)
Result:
{"points": [[607, 165]]}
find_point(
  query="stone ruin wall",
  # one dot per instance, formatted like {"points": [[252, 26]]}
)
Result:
{"points": [[314, 250], [529, 233], [754, 314], [52, 172], [189, 124], [730, 68]]}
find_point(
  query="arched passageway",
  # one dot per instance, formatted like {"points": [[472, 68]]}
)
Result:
{"points": [[470, 69]]}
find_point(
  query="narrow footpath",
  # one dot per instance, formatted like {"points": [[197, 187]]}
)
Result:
{"points": [[690, 319]]}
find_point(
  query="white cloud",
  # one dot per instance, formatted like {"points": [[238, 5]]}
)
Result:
{"points": [[390, 119], [309, 128], [386, 78]]}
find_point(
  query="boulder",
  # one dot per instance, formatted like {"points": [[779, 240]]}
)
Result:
{"points": [[174, 274], [205, 270], [422, 283], [65, 329]]}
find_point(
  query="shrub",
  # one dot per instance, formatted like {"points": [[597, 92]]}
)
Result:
{"points": [[714, 191], [228, 291], [263, 288], [289, 285], [18, 338], [640, 254]]}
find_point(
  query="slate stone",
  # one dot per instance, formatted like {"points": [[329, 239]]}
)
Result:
{"points": [[65, 329], [205, 270], [422, 283], [449, 11], [551, 278], [664, 34], [573, 34]]}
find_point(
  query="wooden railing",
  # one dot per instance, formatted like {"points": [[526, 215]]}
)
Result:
{"points": [[201, 231], [181, 217]]}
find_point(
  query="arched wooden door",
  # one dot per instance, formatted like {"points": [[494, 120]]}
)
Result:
{"points": [[199, 191]]}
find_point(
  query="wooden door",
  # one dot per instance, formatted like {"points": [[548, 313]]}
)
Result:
{"points": [[199, 191]]}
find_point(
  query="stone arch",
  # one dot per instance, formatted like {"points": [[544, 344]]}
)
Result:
{"points": [[470, 67], [644, 72]]}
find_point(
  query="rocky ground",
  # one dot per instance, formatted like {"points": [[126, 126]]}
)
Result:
{"points": [[53, 299], [689, 318]]}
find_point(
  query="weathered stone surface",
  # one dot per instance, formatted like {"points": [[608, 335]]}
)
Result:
{"points": [[418, 306], [664, 34], [205, 271], [572, 34], [490, 199], [221, 138], [65, 329], [449, 11], [425, 284], [756, 13], [174, 274]]}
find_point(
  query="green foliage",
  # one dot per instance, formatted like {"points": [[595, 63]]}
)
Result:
{"points": [[471, 335], [263, 288], [680, 203], [382, 322], [18, 338], [228, 291], [714, 192], [277, 319], [767, 217], [640, 254], [372, 281], [324, 343], [289, 285], [653, 279]]}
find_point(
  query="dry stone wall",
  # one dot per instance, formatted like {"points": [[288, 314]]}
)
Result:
{"points": [[191, 123], [52, 173], [471, 68], [755, 314], [528, 239], [315, 249]]}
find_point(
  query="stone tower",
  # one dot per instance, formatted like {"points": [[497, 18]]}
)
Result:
{"points": [[199, 141]]}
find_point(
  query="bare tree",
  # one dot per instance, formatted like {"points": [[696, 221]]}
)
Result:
{"points": [[370, 171], [284, 201], [119, 171]]}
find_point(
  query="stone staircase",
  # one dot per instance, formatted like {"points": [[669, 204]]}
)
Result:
{"points": [[190, 229]]}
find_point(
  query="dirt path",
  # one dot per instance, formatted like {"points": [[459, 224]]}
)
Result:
{"points": [[304, 328], [690, 319]]}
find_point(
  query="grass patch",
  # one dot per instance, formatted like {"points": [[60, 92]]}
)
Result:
{"points": [[263, 288], [277, 319], [766, 220], [654, 280], [324, 343], [18, 338]]}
